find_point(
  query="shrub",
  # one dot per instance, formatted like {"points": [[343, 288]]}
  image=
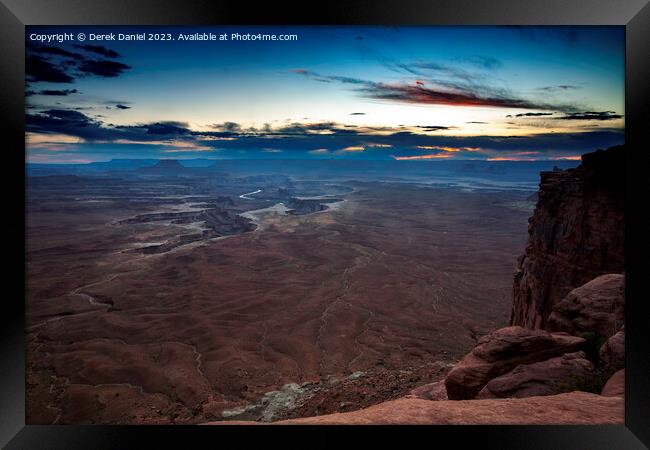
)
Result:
{"points": [[593, 382], [594, 342]]}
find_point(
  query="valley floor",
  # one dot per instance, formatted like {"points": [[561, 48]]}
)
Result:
{"points": [[331, 311]]}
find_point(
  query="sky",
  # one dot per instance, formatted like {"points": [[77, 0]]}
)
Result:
{"points": [[394, 93]]}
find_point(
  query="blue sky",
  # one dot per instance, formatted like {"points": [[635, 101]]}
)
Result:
{"points": [[335, 92]]}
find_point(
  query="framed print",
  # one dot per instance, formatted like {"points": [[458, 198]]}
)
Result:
{"points": [[391, 219]]}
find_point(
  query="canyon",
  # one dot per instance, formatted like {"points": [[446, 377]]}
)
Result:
{"points": [[206, 295], [562, 361]]}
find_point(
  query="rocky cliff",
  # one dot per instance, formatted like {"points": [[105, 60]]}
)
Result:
{"points": [[575, 234]]}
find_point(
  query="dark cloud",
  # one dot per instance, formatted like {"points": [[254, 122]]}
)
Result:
{"points": [[66, 114], [483, 62], [358, 114], [424, 69], [68, 122], [57, 51], [453, 84], [429, 69], [560, 87], [455, 76], [77, 124], [167, 128], [57, 65], [425, 95], [103, 68], [297, 137], [435, 127], [307, 129], [121, 106], [98, 49], [328, 78], [399, 142], [477, 122], [530, 114], [150, 131], [453, 94], [403, 140], [52, 92], [228, 127], [591, 115], [39, 69]]}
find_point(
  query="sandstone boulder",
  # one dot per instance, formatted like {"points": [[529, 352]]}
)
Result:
{"points": [[549, 377], [615, 386], [500, 352], [612, 353], [432, 391], [595, 307]]}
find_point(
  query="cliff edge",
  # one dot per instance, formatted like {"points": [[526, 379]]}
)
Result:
{"points": [[576, 233]]}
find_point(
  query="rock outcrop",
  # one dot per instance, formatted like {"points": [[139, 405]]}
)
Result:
{"points": [[163, 167], [431, 391], [500, 352], [595, 307], [553, 376], [299, 206], [612, 353], [615, 386], [575, 408], [575, 234]]}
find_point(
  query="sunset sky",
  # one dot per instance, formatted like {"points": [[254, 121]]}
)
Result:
{"points": [[337, 92]]}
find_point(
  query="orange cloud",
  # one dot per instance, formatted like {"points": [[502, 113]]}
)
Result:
{"points": [[518, 157], [432, 156], [379, 145], [448, 149], [510, 158]]}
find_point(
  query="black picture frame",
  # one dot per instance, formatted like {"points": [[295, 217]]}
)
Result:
{"points": [[633, 14]]}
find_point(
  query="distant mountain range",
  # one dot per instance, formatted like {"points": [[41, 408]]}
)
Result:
{"points": [[503, 171]]}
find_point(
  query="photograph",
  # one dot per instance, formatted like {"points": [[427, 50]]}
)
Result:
{"points": [[325, 225]]}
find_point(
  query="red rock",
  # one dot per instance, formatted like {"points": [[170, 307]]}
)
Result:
{"points": [[575, 234], [615, 386], [597, 306], [548, 377], [564, 409], [612, 353], [431, 391], [500, 352]]}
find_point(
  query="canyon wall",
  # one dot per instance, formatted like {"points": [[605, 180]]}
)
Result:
{"points": [[575, 234]]}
